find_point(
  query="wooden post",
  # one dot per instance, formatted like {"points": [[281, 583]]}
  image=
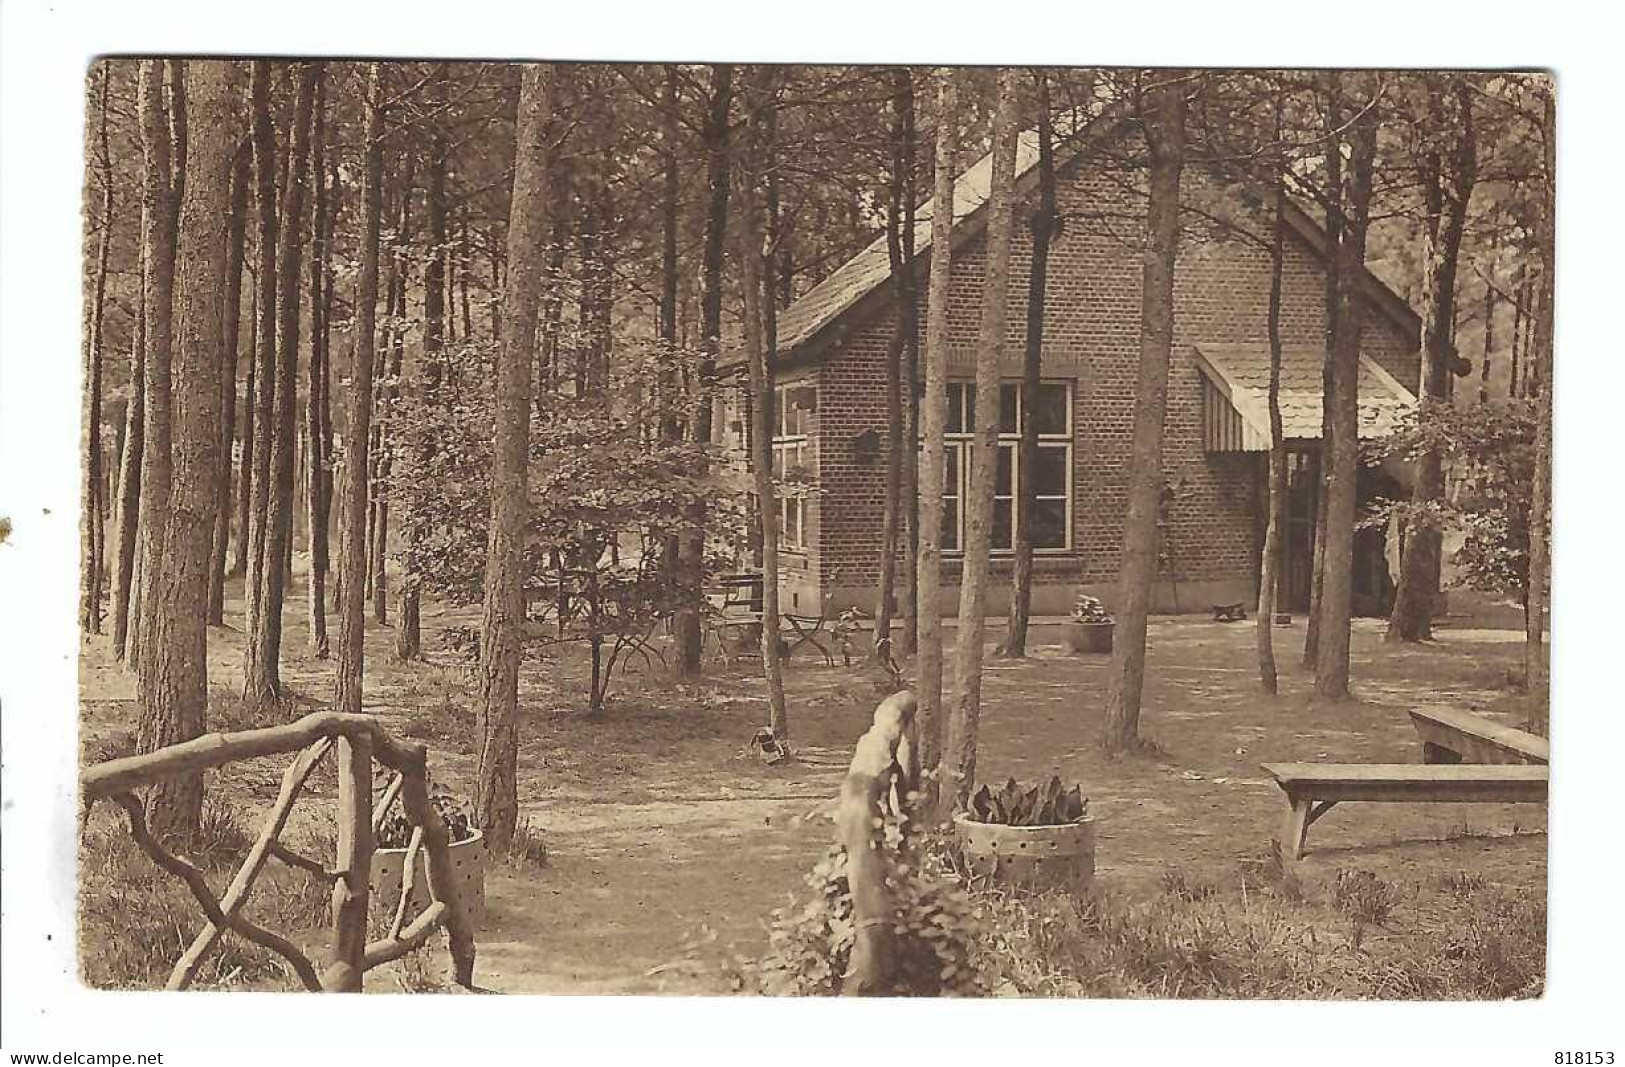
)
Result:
{"points": [[355, 861], [443, 884], [859, 819]]}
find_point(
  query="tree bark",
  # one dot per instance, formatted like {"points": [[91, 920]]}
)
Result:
{"points": [[357, 427], [1333, 194], [264, 649], [1337, 584], [231, 331], [127, 524], [1412, 616], [173, 685], [909, 321], [1045, 223], [719, 153], [934, 420], [245, 458], [964, 722], [90, 590], [1163, 111], [758, 294], [318, 456], [892, 503], [503, 620], [158, 222], [1269, 567]]}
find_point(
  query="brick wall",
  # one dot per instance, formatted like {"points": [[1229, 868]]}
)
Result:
{"points": [[1091, 334]]}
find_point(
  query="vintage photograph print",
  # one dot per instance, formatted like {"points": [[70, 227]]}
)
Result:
{"points": [[730, 528]]}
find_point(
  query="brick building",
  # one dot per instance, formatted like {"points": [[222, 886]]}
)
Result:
{"points": [[831, 372]]}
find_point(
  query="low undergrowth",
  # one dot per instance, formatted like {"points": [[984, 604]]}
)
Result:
{"points": [[135, 920]]}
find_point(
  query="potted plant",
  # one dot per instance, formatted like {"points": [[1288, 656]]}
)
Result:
{"points": [[467, 849], [1089, 628], [1041, 837]]}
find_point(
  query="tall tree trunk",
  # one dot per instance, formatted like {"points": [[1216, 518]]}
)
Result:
{"points": [[1450, 190], [262, 670], [1489, 344], [719, 153], [259, 682], [1044, 224], [892, 507], [158, 221], [1163, 111], [964, 722], [1337, 585], [1269, 567], [1333, 194], [173, 685], [503, 620], [408, 624], [933, 455], [1536, 667], [357, 427], [231, 331], [909, 321], [317, 458], [245, 457], [90, 590], [758, 294], [129, 483]]}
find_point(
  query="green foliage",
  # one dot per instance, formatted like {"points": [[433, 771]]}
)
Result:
{"points": [[932, 919], [1050, 804], [1490, 451]]}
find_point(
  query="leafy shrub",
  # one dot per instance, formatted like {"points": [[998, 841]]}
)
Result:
{"points": [[456, 814], [1089, 609], [1364, 897], [932, 919], [1051, 804]]}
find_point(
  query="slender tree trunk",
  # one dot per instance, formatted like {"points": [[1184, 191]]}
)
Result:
{"points": [[892, 507], [245, 458], [129, 484], [1334, 240], [719, 154], [318, 460], [408, 631], [503, 620], [263, 676], [173, 685], [1269, 567], [1489, 344], [1536, 668], [357, 428], [758, 358], [90, 591], [1164, 116], [1044, 225], [964, 722], [388, 391], [909, 321], [1412, 615], [933, 456], [160, 124], [1337, 586], [231, 331], [259, 680]]}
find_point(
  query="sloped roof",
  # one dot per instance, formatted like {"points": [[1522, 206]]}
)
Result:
{"points": [[1241, 373], [871, 268]]}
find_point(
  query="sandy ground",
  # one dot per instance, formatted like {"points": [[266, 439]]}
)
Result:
{"points": [[666, 847]]}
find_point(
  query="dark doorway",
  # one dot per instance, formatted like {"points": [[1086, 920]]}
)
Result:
{"points": [[1373, 584]]}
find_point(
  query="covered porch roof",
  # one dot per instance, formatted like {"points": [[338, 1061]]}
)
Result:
{"points": [[1235, 396]]}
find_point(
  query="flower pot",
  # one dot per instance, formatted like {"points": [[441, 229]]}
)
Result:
{"points": [[1090, 636], [467, 864], [1032, 857]]}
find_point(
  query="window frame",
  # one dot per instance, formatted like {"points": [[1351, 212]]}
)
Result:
{"points": [[793, 534], [961, 405]]}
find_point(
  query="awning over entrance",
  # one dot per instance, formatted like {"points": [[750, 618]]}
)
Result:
{"points": [[1235, 396]]}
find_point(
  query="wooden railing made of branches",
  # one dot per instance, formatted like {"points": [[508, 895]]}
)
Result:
{"points": [[357, 740], [882, 774]]}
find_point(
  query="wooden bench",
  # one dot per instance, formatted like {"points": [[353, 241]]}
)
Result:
{"points": [[1452, 736], [1313, 789]]}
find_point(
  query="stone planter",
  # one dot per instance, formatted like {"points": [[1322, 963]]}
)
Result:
{"points": [[1031, 857], [1090, 636], [468, 866]]}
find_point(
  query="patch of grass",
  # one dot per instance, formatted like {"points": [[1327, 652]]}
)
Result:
{"points": [[1265, 869], [527, 850], [1363, 897], [135, 920], [1177, 885]]}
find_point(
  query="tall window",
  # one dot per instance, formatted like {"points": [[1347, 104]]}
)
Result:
{"points": [[1052, 473], [793, 409]]}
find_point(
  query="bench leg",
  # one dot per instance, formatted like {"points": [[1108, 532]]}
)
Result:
{"points": [[1296, 829], [1432, 753]]}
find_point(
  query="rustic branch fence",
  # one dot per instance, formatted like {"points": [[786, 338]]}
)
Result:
{"points": [[357, 740], [882, 774]]}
